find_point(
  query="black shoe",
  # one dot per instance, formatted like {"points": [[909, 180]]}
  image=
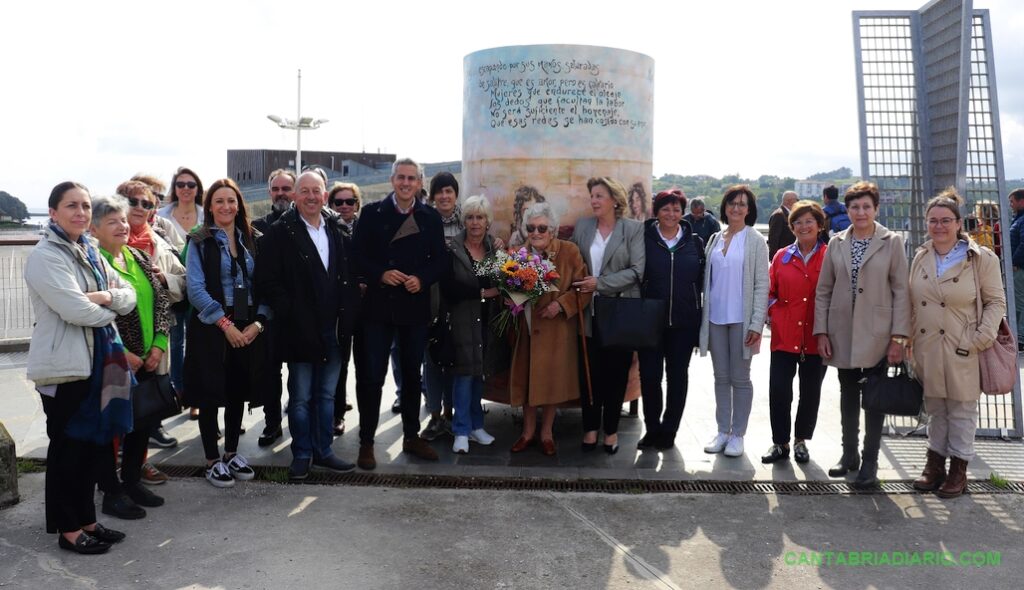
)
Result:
{"points": [[84, 544], [102, 533], [612, 448], [334, 465], [845, 465], [160, 438], [776, 453], [647, 441], [123, 507], [867, 477], [665, 441], [299, 469], [396, 408], [270, 434], [141, 495], [588, 447], [800, 452]]}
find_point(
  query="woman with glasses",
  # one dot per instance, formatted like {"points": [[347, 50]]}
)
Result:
{"points": [[544, 371], [613, 249], [735, 301], [345, 199], [85, 389], [950, 274], [225, 357], [185, 211], [861, 317]]}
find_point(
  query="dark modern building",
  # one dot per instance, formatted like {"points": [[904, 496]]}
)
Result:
{"points": [[254, 166]]}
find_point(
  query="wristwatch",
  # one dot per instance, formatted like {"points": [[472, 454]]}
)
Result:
{"points": [[901, 340], [259, 325]]}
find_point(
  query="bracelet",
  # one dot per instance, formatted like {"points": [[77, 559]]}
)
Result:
{"points": [[224, 323]]}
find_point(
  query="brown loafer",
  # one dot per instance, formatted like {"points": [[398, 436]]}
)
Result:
{"points": [[417, 447], [522, 444], [547, 446], [366, 459]]}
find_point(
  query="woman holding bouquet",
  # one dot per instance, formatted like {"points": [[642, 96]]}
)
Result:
{"points": [[613, 249], [544, 358]]}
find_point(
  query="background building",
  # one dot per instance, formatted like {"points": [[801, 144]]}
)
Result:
{"points": [[254, 166], [929, 119]]}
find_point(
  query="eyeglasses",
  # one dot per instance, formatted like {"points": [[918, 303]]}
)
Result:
{"points": [[340, 202], [944, 222], [147, 205], [183, 184], [541, 229], [160, 196]]}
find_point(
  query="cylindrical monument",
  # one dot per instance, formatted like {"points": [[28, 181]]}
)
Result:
{"points": [[539, 120]]}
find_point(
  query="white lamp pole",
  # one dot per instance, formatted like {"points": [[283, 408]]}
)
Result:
{"points": [[298, 125]]}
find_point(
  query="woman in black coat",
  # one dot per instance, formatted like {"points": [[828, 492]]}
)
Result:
{"points": [[674, 272]]}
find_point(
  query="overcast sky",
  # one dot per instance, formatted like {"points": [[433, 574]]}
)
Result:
{"points": [[96, 92]]}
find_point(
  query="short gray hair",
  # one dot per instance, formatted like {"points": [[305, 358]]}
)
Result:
{"points": [[476, 205], [542, 209], [698, 202], [406, 162], [103, 206]]}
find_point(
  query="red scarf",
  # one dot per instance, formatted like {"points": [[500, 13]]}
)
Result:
{"points": [[142, 239]]}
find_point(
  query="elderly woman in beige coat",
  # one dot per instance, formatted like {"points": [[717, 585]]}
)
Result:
{"points": [[949, 275], [861, 316]]}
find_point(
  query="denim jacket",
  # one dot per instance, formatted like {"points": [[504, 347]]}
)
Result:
{"points": [[208, 309]]}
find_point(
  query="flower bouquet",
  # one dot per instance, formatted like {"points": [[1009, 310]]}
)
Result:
{"points": [[520, 277]]}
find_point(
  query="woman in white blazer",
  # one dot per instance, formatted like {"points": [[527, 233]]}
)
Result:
{"points": [[613, 248], [737, 263]]}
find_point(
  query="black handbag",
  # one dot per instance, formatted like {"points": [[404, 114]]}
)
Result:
{"points": [[153, 399], [891, 390], [440, 340], [629, 323]]}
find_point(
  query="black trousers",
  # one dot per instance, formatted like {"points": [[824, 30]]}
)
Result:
{"points": [[351, 347], [236, 381], [849, 405], [71, 465], [671, 360], [780, 394], [378, 339], [609, 375], [133, 452], [272, 415]]}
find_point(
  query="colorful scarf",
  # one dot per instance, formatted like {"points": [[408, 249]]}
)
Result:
{"points": [[107, 411], [142, 239]]}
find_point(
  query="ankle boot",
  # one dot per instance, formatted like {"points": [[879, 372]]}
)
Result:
{"points": [[847, 463], [956, 481], [934, 473], [867, 477]]}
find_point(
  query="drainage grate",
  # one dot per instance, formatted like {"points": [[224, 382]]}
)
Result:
{"points": [[612, 486]]}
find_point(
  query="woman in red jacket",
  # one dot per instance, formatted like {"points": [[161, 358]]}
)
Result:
{"points": [[793, 278]]}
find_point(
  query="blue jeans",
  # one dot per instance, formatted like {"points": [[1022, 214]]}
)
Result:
{"points": [[438, 383], [378, 339], [177, 346], [467, 391], [311, 388]]}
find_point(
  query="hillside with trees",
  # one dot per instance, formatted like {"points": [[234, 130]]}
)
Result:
{"points": [[13, 206]]}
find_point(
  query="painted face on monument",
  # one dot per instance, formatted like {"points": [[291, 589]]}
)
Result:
{"points": [[407, 183]]}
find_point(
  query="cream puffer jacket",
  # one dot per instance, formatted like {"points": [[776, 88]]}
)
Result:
{"points": [[58, 276]]}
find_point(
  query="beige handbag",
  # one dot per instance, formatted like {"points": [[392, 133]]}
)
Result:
{"points": [[998, 363]]}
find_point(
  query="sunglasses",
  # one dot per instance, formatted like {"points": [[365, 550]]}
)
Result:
{"points": [[183, 184], [542, 229], [147, 205], [340, 202]]}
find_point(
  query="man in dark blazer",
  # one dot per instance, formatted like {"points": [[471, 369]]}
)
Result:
{"points": [[304, 271], [281, 187], [779, 234], [399, 245]]}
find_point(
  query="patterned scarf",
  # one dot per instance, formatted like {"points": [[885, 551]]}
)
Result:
{"points": [[107, 411]]}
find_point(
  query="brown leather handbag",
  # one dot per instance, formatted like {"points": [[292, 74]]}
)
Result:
{"points": [[998, 363]]}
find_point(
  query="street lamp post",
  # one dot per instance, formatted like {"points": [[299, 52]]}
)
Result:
{"points": [[298, 125]]}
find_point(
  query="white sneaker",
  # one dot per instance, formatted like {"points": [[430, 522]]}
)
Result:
{"points": [[717, 444], [480, 436], [461, 445], [734, 448]]}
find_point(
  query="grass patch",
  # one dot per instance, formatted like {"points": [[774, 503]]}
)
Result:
{"points": [[998, 481], [274, 474], [30, 466]]}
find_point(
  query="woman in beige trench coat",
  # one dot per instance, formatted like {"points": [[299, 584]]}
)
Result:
{"points": [[544, 368], [947, 336], [861, 316]]}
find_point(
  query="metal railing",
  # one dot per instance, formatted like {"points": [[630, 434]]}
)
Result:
{"points": [[16, 317]]}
